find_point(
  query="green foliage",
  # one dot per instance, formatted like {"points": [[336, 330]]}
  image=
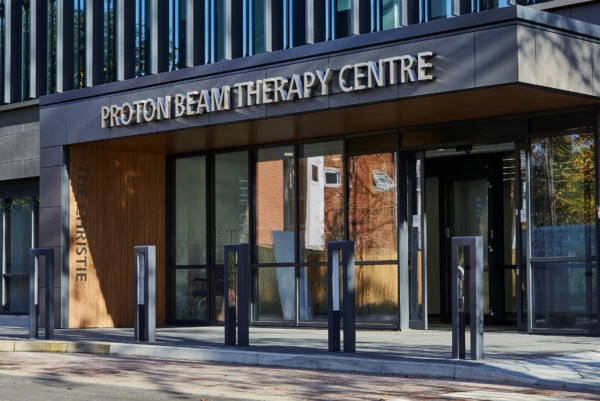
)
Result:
{"points": [[563, 172]]}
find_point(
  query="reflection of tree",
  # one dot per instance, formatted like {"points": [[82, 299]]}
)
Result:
{"points": [[563, 177], [372, 210]]}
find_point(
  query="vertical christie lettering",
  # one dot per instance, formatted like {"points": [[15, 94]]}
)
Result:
{"points": [[81, 215]]}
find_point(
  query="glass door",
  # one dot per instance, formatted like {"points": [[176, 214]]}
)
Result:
{"points": [[413, 226], [468, 215], [520, 249]]}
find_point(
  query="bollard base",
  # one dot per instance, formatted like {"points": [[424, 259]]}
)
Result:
{"points": [[230, 322], [333, 332], [461, 335]]}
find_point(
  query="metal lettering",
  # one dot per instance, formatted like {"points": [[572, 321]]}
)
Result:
{"points": [[422, 65], [295, 90], [189, 102], [324, 79], [343, 80], [351, 77]]}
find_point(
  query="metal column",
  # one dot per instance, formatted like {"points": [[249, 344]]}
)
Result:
{"points": [[145, 293], [475, 245], [348, 293], [237, 294], [34, 308]]}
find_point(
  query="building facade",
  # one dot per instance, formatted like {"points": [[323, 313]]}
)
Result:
{"points": [[288, 124]]}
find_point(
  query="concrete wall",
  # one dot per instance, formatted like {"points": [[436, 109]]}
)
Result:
{"points": [[19, 142]]}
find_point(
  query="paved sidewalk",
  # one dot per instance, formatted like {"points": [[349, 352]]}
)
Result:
{"points": [[571, 362]]}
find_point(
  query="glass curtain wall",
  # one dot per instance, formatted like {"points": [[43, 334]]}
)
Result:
{"points": [[416, 257], [373, 226], [522, 242], [26, 52], [189, 286], [2, 47], [232, 215], [142, 38], [563, 231], [109, 42], [509, 204], [341, 18], [177, 34], [321, 183], [79, 44], [258, 27], [297, 27], [17, 236], [274, 250], [269, 25]]}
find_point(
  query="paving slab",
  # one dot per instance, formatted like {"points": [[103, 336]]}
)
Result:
{"points": [[571, 362]]}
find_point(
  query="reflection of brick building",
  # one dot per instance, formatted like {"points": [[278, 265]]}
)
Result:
{"points": [[372, 206], [372, 203], [270, 208]]}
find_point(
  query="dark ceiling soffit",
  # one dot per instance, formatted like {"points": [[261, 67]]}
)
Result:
{"points": [[409, 33]]}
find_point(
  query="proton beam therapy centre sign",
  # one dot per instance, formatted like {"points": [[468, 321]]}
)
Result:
{"points": [[351, 77]]}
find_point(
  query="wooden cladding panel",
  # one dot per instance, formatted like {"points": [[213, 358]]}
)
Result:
{"points": [[117, 201]]}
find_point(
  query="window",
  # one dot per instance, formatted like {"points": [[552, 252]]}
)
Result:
{"points": [[51, 45], [18, 225], [342, 19], [109, 41], [333, 178], [258, 41], [2, 45], [142, 38], [25, 53], [382, 181], [79, 37], [177, 38]]}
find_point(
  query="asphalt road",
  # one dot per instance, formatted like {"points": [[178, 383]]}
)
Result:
{"points": [[47, 377]]}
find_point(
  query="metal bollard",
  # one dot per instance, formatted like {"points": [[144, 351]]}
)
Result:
{"points": [[237, 294], [475, 245], [333, 296], [145, 293], [34, 308]]}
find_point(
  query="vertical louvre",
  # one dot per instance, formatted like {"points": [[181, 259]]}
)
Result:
{"points": [[125, 38], [64, 45], [38, 59], [12, 52], [94, 55]]}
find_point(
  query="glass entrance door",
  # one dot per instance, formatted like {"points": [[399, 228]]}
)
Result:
{"points": [[468, 215], [472, 195], [413, 257]]}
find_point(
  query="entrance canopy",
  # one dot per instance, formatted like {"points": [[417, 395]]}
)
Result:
{"points": [[475, 104], [508, 61]]}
